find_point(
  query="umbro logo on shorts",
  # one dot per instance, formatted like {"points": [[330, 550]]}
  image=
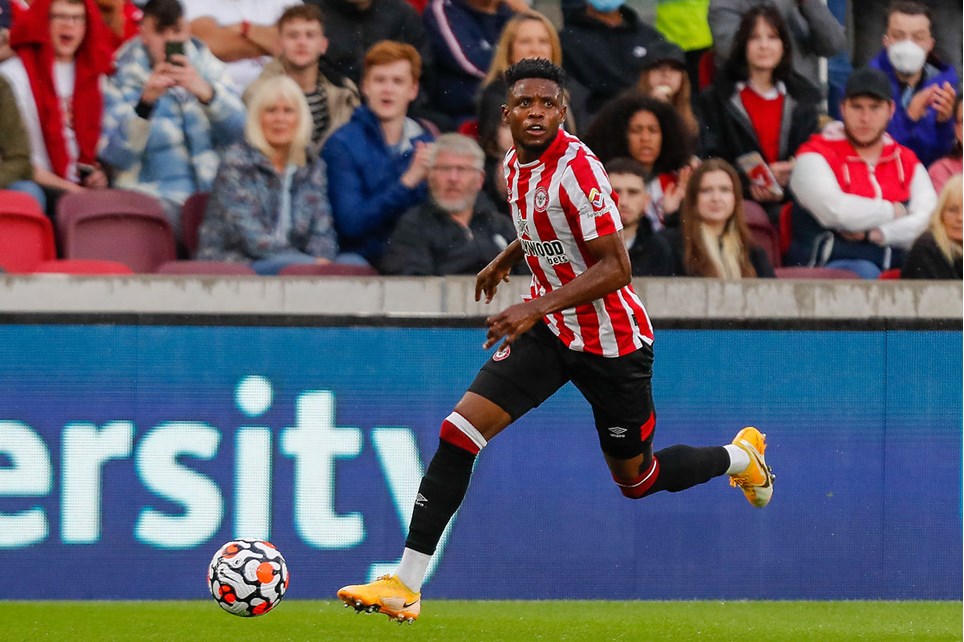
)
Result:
{"points": [[617, 431]]}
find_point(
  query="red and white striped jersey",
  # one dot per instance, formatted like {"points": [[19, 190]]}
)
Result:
{"points": [[559, 202]]}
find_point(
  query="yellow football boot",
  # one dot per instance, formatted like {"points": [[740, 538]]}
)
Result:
{"points": [[385, 595], [756, 481]]}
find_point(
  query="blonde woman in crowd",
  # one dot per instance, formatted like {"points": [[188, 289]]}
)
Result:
{"points": [[269, 203], [936, 254]]}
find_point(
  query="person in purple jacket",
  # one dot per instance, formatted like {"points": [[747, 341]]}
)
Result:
{"points": [[923, 86]]}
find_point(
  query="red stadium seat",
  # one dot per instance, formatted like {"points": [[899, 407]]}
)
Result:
{"points": [[890, 275], [116, 225], [803, 272], [26, 235], [329, 269], [192, 215], [707, 69], [82, 266], [764, 234], [206, 267], [786, 231]]}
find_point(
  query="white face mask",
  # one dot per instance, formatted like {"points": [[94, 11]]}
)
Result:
{"points": [[906, 56]]}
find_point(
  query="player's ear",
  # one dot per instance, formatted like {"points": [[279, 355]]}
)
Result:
{"points": [[505, 113]]}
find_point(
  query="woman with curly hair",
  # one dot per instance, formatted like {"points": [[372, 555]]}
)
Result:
{"points": [[713, 239], [634, 125]]}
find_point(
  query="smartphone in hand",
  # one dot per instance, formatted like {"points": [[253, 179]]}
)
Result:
{"points": [[173, 48]]}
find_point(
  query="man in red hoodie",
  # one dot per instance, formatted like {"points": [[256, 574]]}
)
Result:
{"points": [[63, 49], [862, 198]]}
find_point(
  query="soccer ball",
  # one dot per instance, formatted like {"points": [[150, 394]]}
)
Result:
{"points": [[248, 577]]}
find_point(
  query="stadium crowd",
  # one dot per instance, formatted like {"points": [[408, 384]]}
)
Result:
{"points": [[368, 134]]}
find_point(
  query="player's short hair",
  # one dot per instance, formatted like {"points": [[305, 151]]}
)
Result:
{"points": [[166, 13], [307, 12], [908, 7], [459, 145], [385, 52], [535, 68], [625, 165]]}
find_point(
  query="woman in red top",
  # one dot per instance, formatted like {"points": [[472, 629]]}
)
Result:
{"points": [[758, 111]]}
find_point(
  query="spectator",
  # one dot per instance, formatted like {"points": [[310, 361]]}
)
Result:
{"points": [[685, 23], [636, 126], [648, 252], [269, 203], [463, 35], [496, 140], [355, 26], [122, 17], [525, 35], [936, 254], [379, 160], [242, 33], [602, 44], [816, 32], [921, 85], [713, 239], [168, 115], [6, 16], [457, 230], [943, 168], [758, 111], [62, 53], [331, 96], [663, 76], [16, 171], [864, 197]]}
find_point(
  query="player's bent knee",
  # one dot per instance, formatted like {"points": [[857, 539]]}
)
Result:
{"points": [[639, 486], [459, 431]]}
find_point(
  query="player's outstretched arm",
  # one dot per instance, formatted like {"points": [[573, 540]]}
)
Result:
{"points": [[610, 272], [497, 271]]}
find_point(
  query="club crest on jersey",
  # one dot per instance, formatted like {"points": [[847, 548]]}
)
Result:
{"points": [[541, 199], [501, 353]]}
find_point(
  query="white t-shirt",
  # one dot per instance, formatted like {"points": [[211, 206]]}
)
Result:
{"points": [[229, 12], [64, 76]]}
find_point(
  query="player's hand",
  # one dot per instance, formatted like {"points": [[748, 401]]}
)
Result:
{"points": [[510, 324], [487, 281]]}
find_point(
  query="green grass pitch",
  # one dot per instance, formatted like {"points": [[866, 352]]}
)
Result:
{"points": [[489, 621]]}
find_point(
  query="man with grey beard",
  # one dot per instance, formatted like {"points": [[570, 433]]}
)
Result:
{"points": [[458, 230]]}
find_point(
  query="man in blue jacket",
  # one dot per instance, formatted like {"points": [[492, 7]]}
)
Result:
{"points": [[378, 161], [923, 86]]}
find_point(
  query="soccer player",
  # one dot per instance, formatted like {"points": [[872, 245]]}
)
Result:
{"points": [[581, 322]]}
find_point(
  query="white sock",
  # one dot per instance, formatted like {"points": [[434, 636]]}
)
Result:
{"points": [[411, 571], [739, 460]]}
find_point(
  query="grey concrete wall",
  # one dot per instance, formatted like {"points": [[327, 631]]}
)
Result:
{"points": [[695, 299]]}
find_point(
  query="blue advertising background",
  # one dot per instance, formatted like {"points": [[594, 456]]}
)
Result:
{"points": [[864, 433]]}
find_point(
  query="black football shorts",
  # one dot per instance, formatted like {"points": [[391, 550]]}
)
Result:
{"points": [[619, 389]]}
